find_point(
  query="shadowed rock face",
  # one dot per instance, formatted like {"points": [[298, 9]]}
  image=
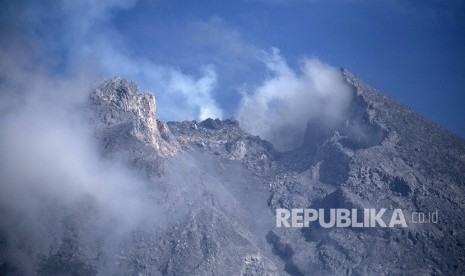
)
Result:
{"points": [[219, 187]]}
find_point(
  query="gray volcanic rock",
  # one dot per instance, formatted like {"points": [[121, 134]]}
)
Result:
{"points": [[402, 161], [219, 187], [212, 232], [123, 112]]}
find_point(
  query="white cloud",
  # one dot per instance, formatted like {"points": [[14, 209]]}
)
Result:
{"points": [[83, 33], [179, 96], [51, 170], [197, 93], [279, 109]]}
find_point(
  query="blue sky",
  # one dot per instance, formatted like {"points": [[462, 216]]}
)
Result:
{"points": [[209, 53]]}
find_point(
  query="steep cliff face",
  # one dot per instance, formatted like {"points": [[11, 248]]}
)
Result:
{"points": [[123, 112], [218, 188]]}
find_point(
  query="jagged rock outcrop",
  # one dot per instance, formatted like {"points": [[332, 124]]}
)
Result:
{"points": [[123, 113], [211, 233]]}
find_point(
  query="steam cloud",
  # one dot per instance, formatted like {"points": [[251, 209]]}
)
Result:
{"points": [[51, 172], [77, 31], [279, 109], [53, 182]]}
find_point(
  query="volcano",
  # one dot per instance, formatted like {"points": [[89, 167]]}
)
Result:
{"points": [[215, 189]]}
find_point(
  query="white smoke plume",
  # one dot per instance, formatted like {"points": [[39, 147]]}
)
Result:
{"points": [[279, 109], [82, 31], [53, 181], [51, 172]]}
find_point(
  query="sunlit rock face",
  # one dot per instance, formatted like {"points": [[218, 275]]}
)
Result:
{"points": [[122, 109], [218, 187]]}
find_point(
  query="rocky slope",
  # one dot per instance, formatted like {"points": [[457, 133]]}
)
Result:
{"points": [[219, 188]]}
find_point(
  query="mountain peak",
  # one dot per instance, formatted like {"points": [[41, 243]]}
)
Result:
{"points": [[125, 94], [214, 188], [119, 104]]}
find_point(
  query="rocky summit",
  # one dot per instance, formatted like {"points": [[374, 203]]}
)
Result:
{"points": [[216, 189]]}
